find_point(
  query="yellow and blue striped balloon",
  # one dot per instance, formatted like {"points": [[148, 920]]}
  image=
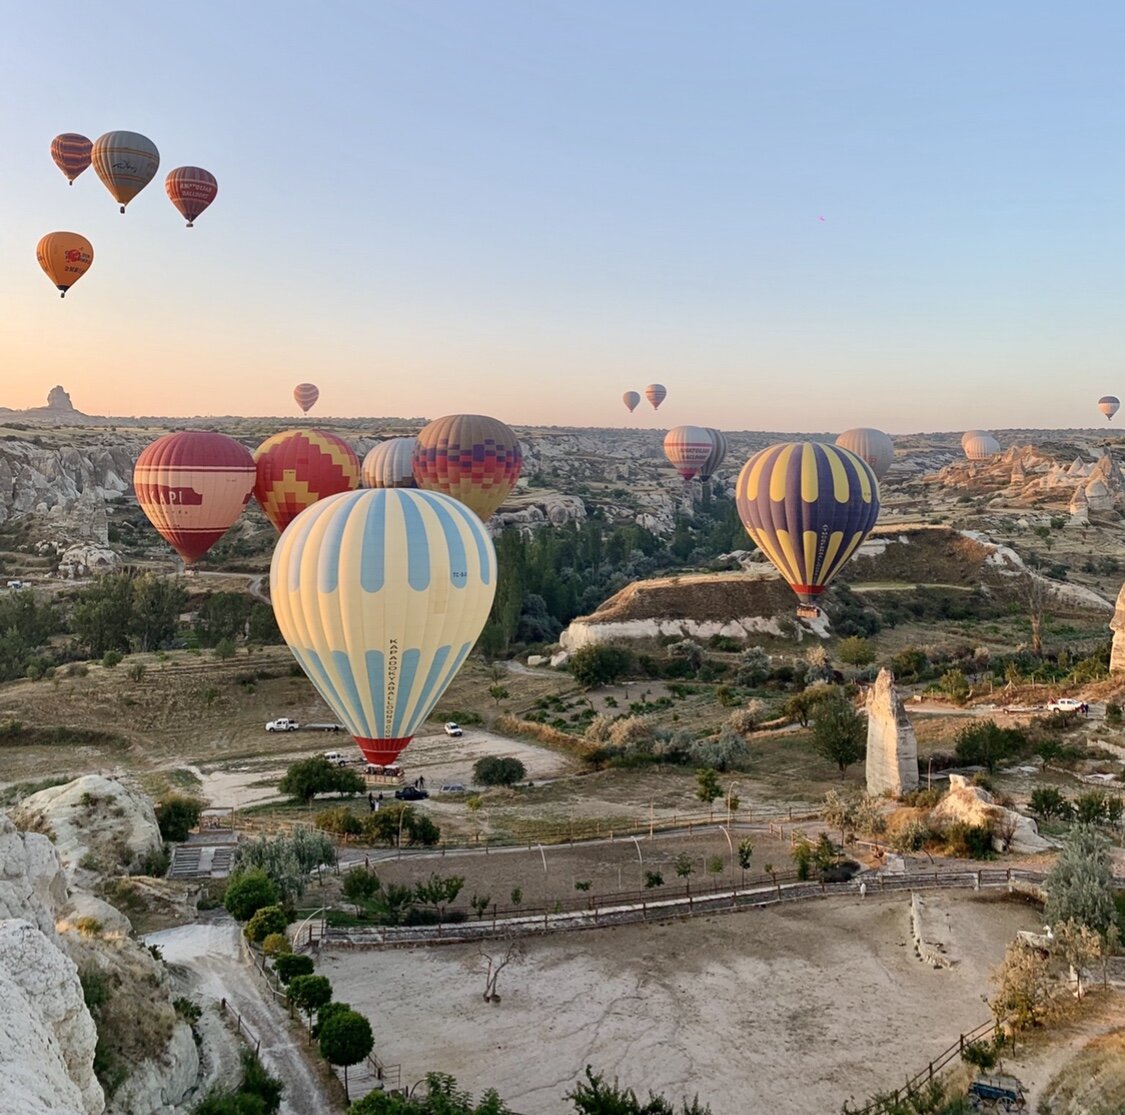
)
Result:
{"points": [[807, 506], [381, 595]]}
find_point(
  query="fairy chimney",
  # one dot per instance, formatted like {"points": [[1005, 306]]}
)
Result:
{"points": [[892, 747]]}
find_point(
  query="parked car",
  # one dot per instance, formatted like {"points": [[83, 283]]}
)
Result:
{"points": [[282, 724], [411, 793], [453, 788], [1064, 704], [452, 728], [336, 758]]}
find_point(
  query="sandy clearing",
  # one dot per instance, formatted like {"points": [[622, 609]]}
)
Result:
{"points": [[736, 1008]]}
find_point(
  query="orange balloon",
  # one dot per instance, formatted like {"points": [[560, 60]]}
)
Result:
{"points": [[65, 257]]}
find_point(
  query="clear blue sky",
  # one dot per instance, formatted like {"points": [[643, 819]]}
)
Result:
{"points": [[526, 208]]}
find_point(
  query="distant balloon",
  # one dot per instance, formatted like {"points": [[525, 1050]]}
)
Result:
{"points": [[717, 455], [390, 464], [688, 448], [125, 162], [192, 486], [296, 468], [656, 393], [1109, 405], [191, 189], [968, 435], [981, 446], [381, 596], [874, 446], [65, 257], [306, 395], [631, 399], [807, 506], [471, 457], [71, 153]]}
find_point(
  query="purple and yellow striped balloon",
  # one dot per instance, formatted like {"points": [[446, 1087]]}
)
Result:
{"points": [[807, 506]]}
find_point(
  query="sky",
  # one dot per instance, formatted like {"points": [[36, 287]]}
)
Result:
{"points": [[796, 216]]}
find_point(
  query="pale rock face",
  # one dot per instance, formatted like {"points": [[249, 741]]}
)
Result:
{"points": [[1117, 626], [159, 1087], [32, 883], [47, 1037], [58, 399], [973, 806], [93, 816], [892, 747], [85, 560]]}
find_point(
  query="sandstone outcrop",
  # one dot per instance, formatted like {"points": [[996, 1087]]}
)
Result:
{"points": [[972, 805], [58, 399], [892, 747], [32, 883], [1117, 626]]}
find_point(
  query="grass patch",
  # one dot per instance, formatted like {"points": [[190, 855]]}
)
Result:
{"points": [[16, 734], [10, 795]]}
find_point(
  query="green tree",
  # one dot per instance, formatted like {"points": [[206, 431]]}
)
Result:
{"points": [[360, 885], [594, 666], [985, 743], [223, 615], [855, 651], [304, 780], [593, 1096], [275, 944], [955, 686], [102, 617], [288, 859], [292, 964], [1080, 886], [684, 866], [745, 851], [265, 920], [157, 604], [262, 629], [345, 1039], [1049, 801], [442, 1097], [309, 994], [707, 787], [247, 892], [839, 733], [177, 815], [498, 693], [494, 770], [439, 891]]}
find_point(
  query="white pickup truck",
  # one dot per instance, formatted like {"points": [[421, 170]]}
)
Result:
{"points": [[282, 724]]}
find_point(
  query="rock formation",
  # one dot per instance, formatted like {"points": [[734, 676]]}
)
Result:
{"points": [[1079, 508], [969, 804], [32, 885], [1117, 626], [892, 748], [58, 399]]}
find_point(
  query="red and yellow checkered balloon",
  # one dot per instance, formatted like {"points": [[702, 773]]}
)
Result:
{"points": [[299, 467]]}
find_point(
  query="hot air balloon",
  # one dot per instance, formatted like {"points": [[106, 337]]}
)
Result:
{"points": [[192, 486], [471, 457], [631, 399], [980, 446], [656, 393], [1109, 405], [125, 162], [191, 189], [298, 467], [381, 596], [688, 448], [718, 453], [390, 464], [807, 506], [71, 153], [874, 446], [969, 434], [65, 257], [306, 394]]}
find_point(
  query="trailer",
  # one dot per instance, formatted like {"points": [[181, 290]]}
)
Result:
{"points": [[997, 1092]]}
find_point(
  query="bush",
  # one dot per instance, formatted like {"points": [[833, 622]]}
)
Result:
{"points": [[248, 892], [1112, 713], [1048, 801], [266, 921], [855, 651], [111, 658], [595, 666], [493, 770], [985, 743], [969, 841], [339, 820], [291, 964], [304, 780], [177, 815]]}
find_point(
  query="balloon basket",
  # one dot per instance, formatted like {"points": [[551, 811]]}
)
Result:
{"points": [[808, 611]]}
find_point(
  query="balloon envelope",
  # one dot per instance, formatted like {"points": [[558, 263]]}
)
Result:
{"points": [[381, 595], [980, 446], [192, 486], [631, 399], [125, 162], [296, 468], [874, 446], [306, 394], [807, 506], [1109, 405], [191, 189], [65, 257], [390, 464], [71, 153], [717, 455], [656, 393], [472, 457], [688, 448], [969, 434]]}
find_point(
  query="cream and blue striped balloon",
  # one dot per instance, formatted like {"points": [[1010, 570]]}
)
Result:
{"points": [[381, 595]]}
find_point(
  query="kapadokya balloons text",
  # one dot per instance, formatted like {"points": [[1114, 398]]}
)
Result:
{"points": [[471, 457], [688, 449], [126, 162], [807, 506], [381, 595], [874, 446], [718, 453], [191, 189], [296, 468], [390, 464], [65, 257], [631, 399], [71, 153], [979, 446], [192, 486], [1109, 405], [305, 395], [656, 393]]}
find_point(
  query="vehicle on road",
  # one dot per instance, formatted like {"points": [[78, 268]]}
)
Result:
{"points": [[453, 788], [324, 727], [411, 793], [1064, 704], [337, 758], [283, 724], [452, 728]]}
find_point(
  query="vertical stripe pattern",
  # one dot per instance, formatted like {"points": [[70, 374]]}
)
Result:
{"points": [[305, 395], [125, 162], [191, 189], [71, 153], [717, 455], [688, 448], [390, 464], [874, 446], [656, 393]]}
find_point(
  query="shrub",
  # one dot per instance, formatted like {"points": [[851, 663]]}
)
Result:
{"points": [[1113, 713], [111, 658], [265, 921], [985, 743], [1049, 801], [276, 944], [339, 820], [493, 770], [291, 964], [247, 892], [177, 815], [969, 841], [595, 666], [855, 651]]}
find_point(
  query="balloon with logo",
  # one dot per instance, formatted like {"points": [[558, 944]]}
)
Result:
{"points": [[390, 464], [471, 457], [631, 399], [717, 454], [192, 486], [296, 468], [1109, 405], [65, 257], [807, 505], [874, 446], [126, 162], [656, 393], [305, 395], [381, 595], [71, 153], [191, 189], [688, 448]]}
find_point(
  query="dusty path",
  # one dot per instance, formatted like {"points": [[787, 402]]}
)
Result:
{"points": [[212, 953]]}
